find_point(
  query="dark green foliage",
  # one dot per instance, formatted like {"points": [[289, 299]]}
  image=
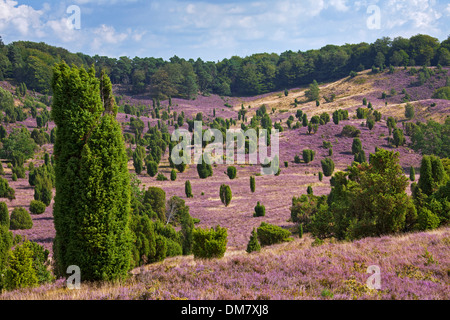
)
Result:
{"points": [[253, 244], [152, 168], [322, 223], [92, 199], [156, 198], [370, 123], [37, 207], [308, 155], [188, 189], [43, 189], [5, 190], [320, 176], [391, 124], [361, 113], [364, 101], [161, 177], [173, 175], [309, 190], [231, 172], [187, 230], [269, 234], [19, 171], [356, 146], [327, 167], [409, 111], [427, 220], [412, 174], [225, 194], [4, 215], [137, 163], [144, 248], [305, 120], [209, 243], [20, 219], [6, 242], [18, 147], [426, 182], [360, 157], [252, 183], [260, 210], [398, 137], [204, 169], [300, 230], [372, 201], [442, 93], [432, 138], [350, 131]]}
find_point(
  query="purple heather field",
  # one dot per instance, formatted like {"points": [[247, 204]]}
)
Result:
{"points": [[294, 270]]}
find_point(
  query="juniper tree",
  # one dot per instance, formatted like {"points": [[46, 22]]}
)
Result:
{"points": [[92, 199], [412, 173], [253, 243], [225, 194], [252, 183], [188, 189]]}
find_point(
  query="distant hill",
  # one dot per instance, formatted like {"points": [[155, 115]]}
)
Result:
{"points": [[260, 73]]}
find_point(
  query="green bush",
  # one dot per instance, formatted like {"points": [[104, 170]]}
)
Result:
{"points": [[20, 272], [152, 168], [5, 190], [350, 131], [308, 155], [269, 234], [253, 244], [427, 220], [210, 243], [37, 207], [231, 172], [252, 183], [188, 189], [161, 177], [225, 194], [260, 210], [327, 167], [173, 175], [4, 215], [20, 219], [43, 189]]}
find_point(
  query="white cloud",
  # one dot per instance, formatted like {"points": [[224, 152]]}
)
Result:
{"points": [[22, 18]]}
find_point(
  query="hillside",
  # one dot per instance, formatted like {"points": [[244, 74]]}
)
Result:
{"points": [[271, 190], [412, 267], [274, 273]]}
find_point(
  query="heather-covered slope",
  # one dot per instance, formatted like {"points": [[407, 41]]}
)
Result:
{"points": [[412, 267]]}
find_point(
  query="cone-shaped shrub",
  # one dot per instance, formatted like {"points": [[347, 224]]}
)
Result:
{"points": [[253, 244], [188, 189], [92, 199], [4, 215], [225, 194], [260, 210], [252, 183]]}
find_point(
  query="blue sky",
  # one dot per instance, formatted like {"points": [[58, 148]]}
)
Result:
{"points": [[213, 30]]}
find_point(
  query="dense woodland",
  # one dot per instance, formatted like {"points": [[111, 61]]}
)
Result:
{"points": [[31, 63]]}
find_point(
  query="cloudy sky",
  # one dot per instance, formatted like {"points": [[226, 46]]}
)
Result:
{"points": [[216, 29]]}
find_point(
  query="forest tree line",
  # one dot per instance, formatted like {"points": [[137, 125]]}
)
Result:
{"points": [[31, 63]]}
